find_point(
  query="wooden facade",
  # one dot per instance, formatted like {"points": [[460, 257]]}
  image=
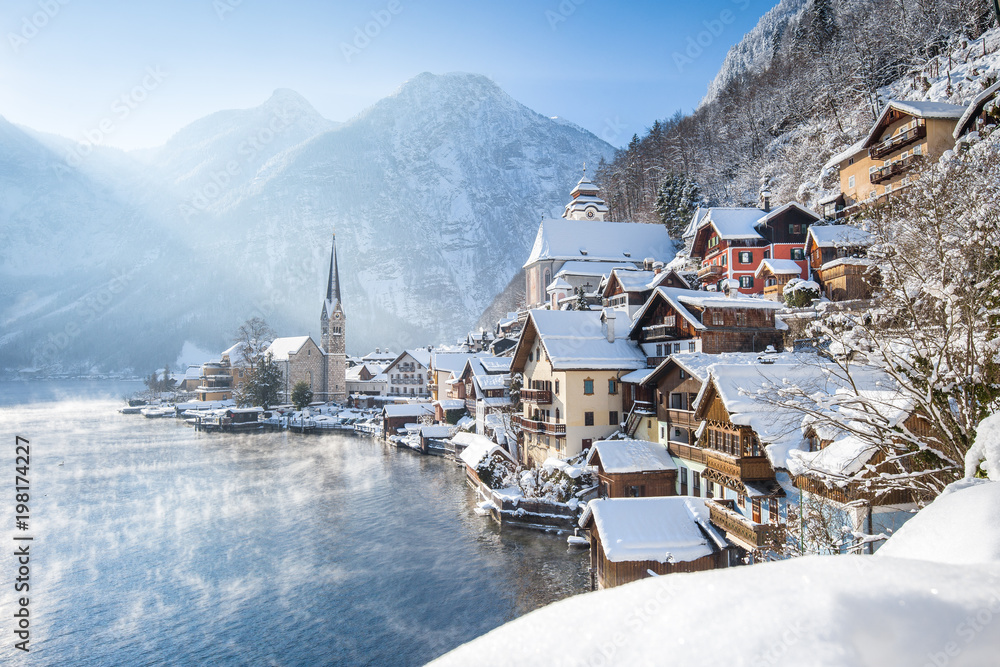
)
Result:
{"points": [[609, 574], [642, 484]]}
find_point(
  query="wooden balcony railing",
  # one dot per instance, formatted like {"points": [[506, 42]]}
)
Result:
{"points": [[710, 270], [540, 396], [660, 331], [535, 426], [893, 143], [682, 418], [746, 467], [470, 406], [894, 169], [686, 452], [741, 529]]}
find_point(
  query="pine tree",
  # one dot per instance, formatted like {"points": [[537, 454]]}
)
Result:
{"points": [[302, 395], [676, 200]]}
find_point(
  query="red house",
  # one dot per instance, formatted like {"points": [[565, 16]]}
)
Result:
{"points": [[732, 242]]}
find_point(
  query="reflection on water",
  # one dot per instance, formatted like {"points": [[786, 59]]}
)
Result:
{"points": [[155, 544]]}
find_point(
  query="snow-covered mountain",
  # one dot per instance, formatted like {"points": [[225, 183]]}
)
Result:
{"points": [[753, 53], [434, 192]]}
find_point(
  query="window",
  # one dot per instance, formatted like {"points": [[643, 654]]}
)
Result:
{"points": [[659, 350], [588, 387], [695, 483], [850, 182], [918, 150], [725, 260], [746, 258], [772, 510], [710, 490], [613, 418], [717, 319], [714, 241], [677, 348], [850, 161], [557, 415], [588, 418], [678, 401], [888, 188], [755, 502], [612, 387], [691, 346], [798, 254], [557, 386], [741, 319], [682, 374], [767, 254], [746, 281], [684, 481], [531, 355]]}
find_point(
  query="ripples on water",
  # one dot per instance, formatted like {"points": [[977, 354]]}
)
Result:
{"points": [[158, 545]]}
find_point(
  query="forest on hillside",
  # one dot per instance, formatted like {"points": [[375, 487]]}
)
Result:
{"points": [[774, 122]]}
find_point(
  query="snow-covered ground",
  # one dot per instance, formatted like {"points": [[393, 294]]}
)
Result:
{"points": [[910, 606]]}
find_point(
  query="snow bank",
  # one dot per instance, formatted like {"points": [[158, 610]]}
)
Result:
{"points": [[985, 452], [962, 526], [820, 611]]}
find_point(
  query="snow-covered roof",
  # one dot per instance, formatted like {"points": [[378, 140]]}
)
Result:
{"points": [[638, 281], [661, 529], [450, 362], [602, 241], [575, 339], [974, 107], [735, 223], [779, 267], [495, 364], [235, 354], [280, 348], [408, 410], [584, 268], [839, 236], [558, 283], [637, 376], [856, 261], [923, 109], [490, 382], [420, 354], [436, 431], [843, 457], [961, 527], [477, 447], [451, 403], [627, 456], [851, 151], [695, 222], [680, 298], [787, 207]]}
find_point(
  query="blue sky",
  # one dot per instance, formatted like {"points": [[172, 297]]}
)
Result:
{"points": [[612, 67]]}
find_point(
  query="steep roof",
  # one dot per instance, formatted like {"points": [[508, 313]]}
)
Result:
{"points": [[838, 236], [779, 267], [280, 348], [575, 340], [974, 108], [931, 110], [679, 299], [590, 240], [662, 529], [851, 151], [774, 213], [450, 362], [625, 456], [408, 410], [581, 268], [333, 280], [735, 223]]}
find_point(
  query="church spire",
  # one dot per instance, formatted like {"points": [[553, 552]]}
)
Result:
{"points": [[333, 283]]}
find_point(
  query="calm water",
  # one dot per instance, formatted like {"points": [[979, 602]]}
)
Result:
{"points": [[158, 545]]}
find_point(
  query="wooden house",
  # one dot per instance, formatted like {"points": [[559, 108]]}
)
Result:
{"points": [[678, 320], [633, 469], [774, 274], [981, 112], [889, 157], [634, 538], [838, 256], [732, 242], [395, 417], [627, 290]]}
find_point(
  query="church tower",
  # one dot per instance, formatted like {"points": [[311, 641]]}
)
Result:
{"points": [[333, 324], [586, 203]]}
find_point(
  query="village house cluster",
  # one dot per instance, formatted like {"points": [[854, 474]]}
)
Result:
{"points": [[657, 370]]}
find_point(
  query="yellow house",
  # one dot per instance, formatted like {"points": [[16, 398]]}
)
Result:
{"points": [[889, 157], [572, 363]]}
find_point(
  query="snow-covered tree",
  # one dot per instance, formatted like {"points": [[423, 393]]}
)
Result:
{"points": [[676, 200], [932, 332]]}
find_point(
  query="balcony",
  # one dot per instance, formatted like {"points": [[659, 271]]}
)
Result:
{"points": [[682, 418], [535, 426], [742, 530], [216, 382], [539, 396], [665, 331], [470, 406], [896, 168], [686, 452], [743, 468], [898, 141], [711, 271]]}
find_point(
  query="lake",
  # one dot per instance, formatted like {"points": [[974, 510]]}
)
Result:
{"points": [[154, 544]]}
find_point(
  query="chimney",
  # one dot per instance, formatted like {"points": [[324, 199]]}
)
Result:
{"points": [[609, 324], [657, 268], [765, 200], [647, 264]]}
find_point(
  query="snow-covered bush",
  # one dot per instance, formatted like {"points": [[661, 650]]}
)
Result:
{"points": [[495, 472], [800, 293]]}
